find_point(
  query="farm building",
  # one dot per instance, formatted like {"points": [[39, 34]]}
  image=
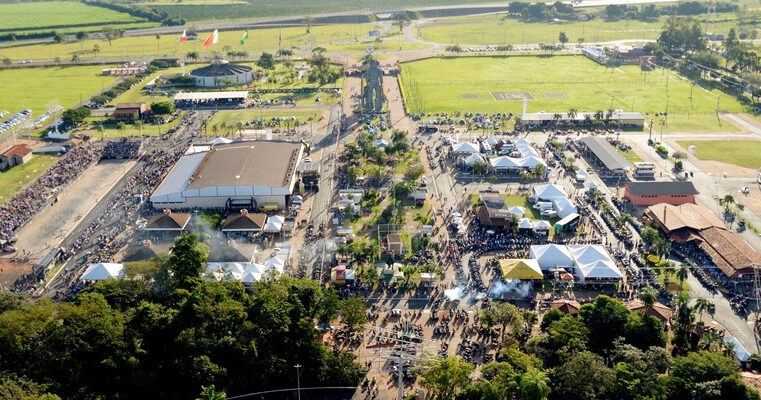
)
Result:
{"points": [[251, 175], [130, 111], [650, 193], [16, 155]]}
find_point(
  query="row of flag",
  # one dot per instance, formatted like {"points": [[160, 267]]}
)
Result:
{"points": [[212, 39]]}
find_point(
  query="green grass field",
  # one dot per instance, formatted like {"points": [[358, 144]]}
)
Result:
{"points": [[495, 30], [15, 179], [230, 117], [558, 84], [36, 88], [34, 15], [130, 130], [743, 153], [167, 45]]}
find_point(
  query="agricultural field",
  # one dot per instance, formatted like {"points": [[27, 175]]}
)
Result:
{"points": [[559, 83], [496, 30], [167, 45], [231, 118], [743, 153], [57, 14], [15, 179], [197, 10], [36, 88]]}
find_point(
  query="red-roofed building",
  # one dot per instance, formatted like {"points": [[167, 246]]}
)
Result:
{"points": [[16, 155]]}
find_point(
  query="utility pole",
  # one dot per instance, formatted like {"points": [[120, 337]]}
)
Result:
{"points": [[298, 381]]}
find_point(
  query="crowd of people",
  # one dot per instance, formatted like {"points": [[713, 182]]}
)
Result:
{"points": [[122, 148], [103, 237], [20, 209]]}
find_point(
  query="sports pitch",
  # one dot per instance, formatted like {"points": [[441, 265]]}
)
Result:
{"points": [[558, 84]]}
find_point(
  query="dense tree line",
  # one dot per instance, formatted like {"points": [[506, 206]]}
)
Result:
{"points": [[647, 12], [139, 11], [604, 352], [166, 333]]}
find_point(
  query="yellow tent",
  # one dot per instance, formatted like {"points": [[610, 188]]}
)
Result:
{"points": [[525, 269]]}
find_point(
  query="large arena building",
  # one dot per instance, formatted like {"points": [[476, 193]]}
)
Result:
{"points": [[253, 175], [222, 73]]}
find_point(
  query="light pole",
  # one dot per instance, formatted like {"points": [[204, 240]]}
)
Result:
{"points": [[298, 381]]}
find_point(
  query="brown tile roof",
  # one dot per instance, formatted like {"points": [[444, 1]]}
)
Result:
{"points": [[567, 306], [688, 215], [658, 310], [244, 222], [17, 150], [173, 221], [226, 254], [729, 251], [125, 106]]}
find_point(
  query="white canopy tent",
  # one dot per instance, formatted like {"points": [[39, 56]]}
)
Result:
{"points": [[525, 223], [474, 158], [221, 140], [551, 256], [564, 207], [103, 271], [521, 142], [548, 192], [491, 140], [466, 148], [274, 224], [604, 270], [517, 211], [542, 225]]}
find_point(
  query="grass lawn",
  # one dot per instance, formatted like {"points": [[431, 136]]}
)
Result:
{"points": [[494, 30], [231, 117], [743, 153], [25, 16], [558, 84], [167, 45], [36, 88], [15, 179], [131, 130], [629, 155]]}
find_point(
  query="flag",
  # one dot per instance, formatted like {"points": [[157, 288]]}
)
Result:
{"points": [[213, 38], [245, 36], [183, 38]]}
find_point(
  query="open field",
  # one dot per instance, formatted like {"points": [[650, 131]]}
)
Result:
{"points": [[36, 88], [495, 30], [16, 178], [167, 45], [743, 153], [217, 9], [437, 84], [130, 129], [54, 14]]}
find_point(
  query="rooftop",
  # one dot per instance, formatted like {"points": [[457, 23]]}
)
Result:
{"points": [[608, 155], [221, 68], [17, 150], [211, 95], [658, 188], [247, 164]]}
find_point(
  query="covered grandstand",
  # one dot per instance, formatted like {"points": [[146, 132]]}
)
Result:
{"points": [[606, 156]]}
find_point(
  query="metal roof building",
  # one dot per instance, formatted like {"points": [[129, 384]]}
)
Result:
{"points": [[235, 175], [606, 154]]}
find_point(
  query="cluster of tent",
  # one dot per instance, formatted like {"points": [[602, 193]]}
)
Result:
{"points": [[588, 262], [245, 272], [556, 195], [529, 157]]}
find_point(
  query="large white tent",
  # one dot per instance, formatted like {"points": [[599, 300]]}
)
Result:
{"points": [[521, 142], [491, 140], [505, 162], [103, 271], [564, 207], [274, 224], [466, 148], [604, 270], [474, 158], [525, 223], [517, 211], [221, 140], [551, 256], [548, 192]]}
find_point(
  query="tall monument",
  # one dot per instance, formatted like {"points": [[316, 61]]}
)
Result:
{"points": [[372, 96]]}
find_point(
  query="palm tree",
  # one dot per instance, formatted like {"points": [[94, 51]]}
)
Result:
{"points": [[572, 113], [401, 20], [648, 296], [710, 341], [661, 247], [681, 273], [534, 385], [703, 305], [214, 129], [239, 126], [667, 270], [727, 200]]}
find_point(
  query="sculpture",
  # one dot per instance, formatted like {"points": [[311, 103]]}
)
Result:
{"points": [[373, 93]]}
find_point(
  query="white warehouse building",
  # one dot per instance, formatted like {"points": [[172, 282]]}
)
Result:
{"points": [[249, 174]]}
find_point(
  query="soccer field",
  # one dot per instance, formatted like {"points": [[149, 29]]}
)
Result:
{"points": [[57, 14], [557, 84], [36, 88]]}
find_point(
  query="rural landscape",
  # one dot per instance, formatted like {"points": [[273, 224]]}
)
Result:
{"points": [[422, 199]]}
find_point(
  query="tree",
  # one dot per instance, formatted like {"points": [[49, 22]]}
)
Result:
{"points": [[192, 55], [186, 262], [401, 20], [605, 318], [308, 21], [534, 385], [162, 107], [583, 377], [563, 38], [112, 33], [81, 35], [354, 312], [210, 393], [75, 58], [704, 305], [96, 49], [401, 191], [682, 272], [614, 11], [7, 61], [480, 390], [649, 235], [695, 368], [727, 200], [75, 116], [662, 247], [266, 61], [648, 296], [445, 377], [503, 315]]}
